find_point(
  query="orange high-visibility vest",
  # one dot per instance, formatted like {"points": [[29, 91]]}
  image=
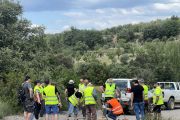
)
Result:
{"points": [[116, 107]]}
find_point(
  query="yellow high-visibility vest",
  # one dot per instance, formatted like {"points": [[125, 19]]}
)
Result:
{"points": [[74, 100], [37, 88], [51, 98], [109, 92], [158, 92], [145, 92], [88, 95]]}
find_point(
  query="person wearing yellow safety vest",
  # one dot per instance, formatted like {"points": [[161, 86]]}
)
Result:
{"points": [[81, 82], [81, 89], [51, 100], [90, 98], [157, 99], [73, 105], [37, 91], [141, 82], [109, 89], [42, 86]]}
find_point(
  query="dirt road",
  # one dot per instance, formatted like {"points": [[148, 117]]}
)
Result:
{"points": [[173, 114]]}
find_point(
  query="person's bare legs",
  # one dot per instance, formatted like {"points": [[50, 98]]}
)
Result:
{"points": [[25, 115], [56, 117], [52, 116], [29, 116], [67, 116], [75, 116], [47, 117]]}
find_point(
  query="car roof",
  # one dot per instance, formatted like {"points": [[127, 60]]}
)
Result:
{"points": [[119, 79]]}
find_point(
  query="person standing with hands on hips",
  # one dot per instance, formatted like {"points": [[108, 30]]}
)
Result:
{"points": [[137, 97], [157, 99]]}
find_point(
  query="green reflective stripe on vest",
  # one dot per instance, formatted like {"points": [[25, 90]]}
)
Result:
{"points": [[88, 96], [51, 98], [145, 92], [74, 100], [109, 92], [155, 94]]}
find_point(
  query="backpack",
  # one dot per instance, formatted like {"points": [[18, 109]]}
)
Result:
{"points": [[21, 93]]}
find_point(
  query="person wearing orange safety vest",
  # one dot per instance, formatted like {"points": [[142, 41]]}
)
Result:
{"points": [[114, 107]]}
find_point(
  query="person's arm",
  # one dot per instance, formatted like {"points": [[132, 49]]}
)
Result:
{"points": [[109, 107], [94, 94], [65, 93], [75, 90], [31, 92], [157, 93], [102, 89], [132, 98], [80, 88], [37, 94], [116, 93]]}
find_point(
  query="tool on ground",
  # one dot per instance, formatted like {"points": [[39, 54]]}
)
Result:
{"points": [[102, 112], [124, 116]]}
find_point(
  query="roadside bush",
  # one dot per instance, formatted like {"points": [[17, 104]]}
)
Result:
{"points": [[105, 47], [5, 109], [171, 39]]}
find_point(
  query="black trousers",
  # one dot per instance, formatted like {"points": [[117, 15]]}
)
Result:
{"points": [[37, 111], [42, 108]]}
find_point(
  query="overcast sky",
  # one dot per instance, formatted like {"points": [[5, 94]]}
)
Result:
{"points": [[58, 15]]}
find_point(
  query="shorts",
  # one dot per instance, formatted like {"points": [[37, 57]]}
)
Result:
{"points": [[71, 108], [28, 106], [157, 109], [53, 107], [57, 110]]}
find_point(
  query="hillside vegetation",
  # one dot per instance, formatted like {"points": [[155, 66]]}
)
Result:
{"points": [[145, 50]]}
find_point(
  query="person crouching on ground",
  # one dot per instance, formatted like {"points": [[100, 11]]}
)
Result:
{"points": [[114, 107], [73, 105]]}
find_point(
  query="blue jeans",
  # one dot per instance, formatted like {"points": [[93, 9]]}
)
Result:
{"points": [[137, 107], [72, 108], [112, 116]]}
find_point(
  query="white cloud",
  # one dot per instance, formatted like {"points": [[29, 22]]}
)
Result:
{"points": [[74, 14], [82, 22], [124, 12], [34, 25], [174, 0], [101, 24], [166, 6], [58, 21], [100, 11], [52, 31], [66, 27], [136, 12], [134, 22], [114, 10]]}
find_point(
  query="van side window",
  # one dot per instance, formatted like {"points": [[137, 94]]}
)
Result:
{"points": [[171, 86], [166, 85], [161, 85]]}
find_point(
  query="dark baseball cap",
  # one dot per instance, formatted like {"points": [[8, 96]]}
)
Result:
{"points": [[91, 83], [155, 82], [27, 78], [42, 81], [38, 81]]}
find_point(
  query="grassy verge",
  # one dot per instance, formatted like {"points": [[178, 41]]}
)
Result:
{"points": [[5, 110]]}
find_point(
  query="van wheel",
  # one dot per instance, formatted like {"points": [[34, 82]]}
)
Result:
{"points": [[170, 104], [132, 112]]}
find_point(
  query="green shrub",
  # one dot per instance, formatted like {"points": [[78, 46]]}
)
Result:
{"points": [[171, 39], [124, 59], [5, 109], [105, 47]]}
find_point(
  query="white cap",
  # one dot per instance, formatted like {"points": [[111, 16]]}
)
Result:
{"points": [[71, 82]]}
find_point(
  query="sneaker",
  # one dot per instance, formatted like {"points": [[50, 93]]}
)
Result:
{"points": [[69, 115], [84, 117], [66, 119]]}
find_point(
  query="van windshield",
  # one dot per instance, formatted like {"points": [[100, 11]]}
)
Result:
{"points": [[121, 83]]}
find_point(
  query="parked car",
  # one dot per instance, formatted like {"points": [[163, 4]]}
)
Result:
{"points": [[171, 93]]}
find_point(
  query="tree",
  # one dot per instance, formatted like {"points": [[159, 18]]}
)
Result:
{"points": [[93, 56], [78, 56], [164, 39], [124, 59], [100, 51], [126, 34], [111, 55], [118, 52], [132, 49], [81, 46]]}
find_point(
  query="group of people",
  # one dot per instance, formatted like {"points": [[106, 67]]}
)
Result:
{"points": [[85, 98], [48, 99], [139, 98]]}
